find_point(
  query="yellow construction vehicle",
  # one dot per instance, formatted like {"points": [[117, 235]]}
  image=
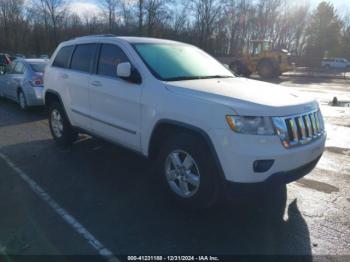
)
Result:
{"points": [[260, 58]]}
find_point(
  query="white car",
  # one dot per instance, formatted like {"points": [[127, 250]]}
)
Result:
{"points": [[208, 131], [335, 63]]}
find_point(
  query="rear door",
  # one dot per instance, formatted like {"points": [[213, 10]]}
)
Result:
{"points": [[78, 80], [5, 79], [15, 79], [115, 103]]}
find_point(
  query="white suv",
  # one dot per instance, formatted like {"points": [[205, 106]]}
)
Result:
{"points": [[208, 131]]}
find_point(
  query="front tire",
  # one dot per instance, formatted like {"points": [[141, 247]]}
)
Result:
{"points": [[61, 130], [188, 171]]}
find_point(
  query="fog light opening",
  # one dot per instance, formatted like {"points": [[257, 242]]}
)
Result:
{"points": [[262, 166]]}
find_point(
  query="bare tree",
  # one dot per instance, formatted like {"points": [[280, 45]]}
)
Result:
{"points": [[206, 13], [11, 18], [140, 15], [127, 15], [110, 8], [55, 10], [218, 26], [156, 14]]}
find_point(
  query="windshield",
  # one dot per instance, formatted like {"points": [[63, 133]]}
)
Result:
{"points": [[38, 67], [172, 62]]}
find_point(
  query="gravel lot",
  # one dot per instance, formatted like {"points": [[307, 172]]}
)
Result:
{"points": [[113, 193]]}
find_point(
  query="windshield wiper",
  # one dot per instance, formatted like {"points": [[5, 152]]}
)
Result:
{"points": [[180, 78], [216, 76]]}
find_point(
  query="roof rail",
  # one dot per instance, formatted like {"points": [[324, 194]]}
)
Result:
{"points": [[100, 35]]}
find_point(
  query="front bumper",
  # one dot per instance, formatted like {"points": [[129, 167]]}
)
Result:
{"points": [[237, 154], [280, 178], [234, 190]]}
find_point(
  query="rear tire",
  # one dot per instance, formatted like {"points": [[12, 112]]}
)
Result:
{"points": [[61, 130], [188, 171], [22, 101]]}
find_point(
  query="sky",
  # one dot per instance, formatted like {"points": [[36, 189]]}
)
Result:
{"points": [[83, 7]]}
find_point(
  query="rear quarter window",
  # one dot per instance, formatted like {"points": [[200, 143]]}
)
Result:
{"points": [[19, 68], [63, 56], [38, 67]]}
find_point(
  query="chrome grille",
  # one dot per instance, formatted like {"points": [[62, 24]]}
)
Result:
{"points": [[299, 129]]}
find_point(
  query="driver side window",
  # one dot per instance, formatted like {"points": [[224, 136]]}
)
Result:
{"points": [[110, 57]]}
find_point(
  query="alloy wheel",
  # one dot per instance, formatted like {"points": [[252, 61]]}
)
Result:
{"points": [[57, 123], [182, 173]]}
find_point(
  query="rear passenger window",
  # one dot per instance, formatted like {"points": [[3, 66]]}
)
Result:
{"points": [[83, 57], [110, 57], [62, 57]]}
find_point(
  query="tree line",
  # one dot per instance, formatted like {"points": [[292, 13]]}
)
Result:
{"points": [[221, 27]]}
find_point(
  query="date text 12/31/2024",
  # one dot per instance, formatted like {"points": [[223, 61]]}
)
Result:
{"points": [[173, 258]]}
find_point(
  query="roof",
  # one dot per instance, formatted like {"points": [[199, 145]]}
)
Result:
{"points": [[147, 40], [129, 39], [32, 60]]}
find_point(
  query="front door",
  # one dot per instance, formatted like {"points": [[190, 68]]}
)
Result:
{"points": [[115, 103]]}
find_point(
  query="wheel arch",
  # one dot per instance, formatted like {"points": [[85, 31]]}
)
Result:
{"points": [[166, 127], [53, 96], [19, 89]]}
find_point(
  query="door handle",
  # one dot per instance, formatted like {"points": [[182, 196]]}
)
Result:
{"points": [[64, 76], [96, 83]]}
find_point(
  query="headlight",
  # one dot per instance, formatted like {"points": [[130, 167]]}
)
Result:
{"points": [[253, 125]]}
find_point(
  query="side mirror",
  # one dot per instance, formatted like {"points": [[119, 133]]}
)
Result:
{"points": [[124, 70], [127, 72]]}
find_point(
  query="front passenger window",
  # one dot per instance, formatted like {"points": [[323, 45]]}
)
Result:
{"points": [[110, 57]]}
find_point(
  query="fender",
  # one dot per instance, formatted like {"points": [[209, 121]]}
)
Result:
{"points": [[51, 91]]}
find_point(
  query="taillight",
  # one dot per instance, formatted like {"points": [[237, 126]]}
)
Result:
{"points": [[37, 81]]}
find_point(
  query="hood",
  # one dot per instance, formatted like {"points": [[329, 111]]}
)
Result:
{"points": [[245, 96]]}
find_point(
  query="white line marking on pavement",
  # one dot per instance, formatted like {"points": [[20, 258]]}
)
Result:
{"points": [[69, 219]]}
